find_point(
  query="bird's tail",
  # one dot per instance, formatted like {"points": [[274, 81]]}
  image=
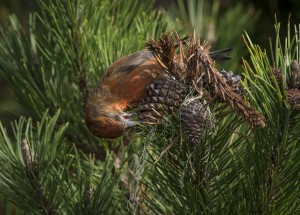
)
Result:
{"points": [[216, 55], [221, 54]]}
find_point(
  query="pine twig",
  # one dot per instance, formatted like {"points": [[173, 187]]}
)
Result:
{"points": [[78, 59], [225, 92], [33, 179]]}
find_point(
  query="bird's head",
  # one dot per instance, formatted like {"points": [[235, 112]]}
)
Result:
{"points": [[109, 126], [107, 122]]}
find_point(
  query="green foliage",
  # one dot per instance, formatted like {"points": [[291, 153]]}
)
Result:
{"points": [[232, 170], [52, 64], [41, 174], [67, 48], [189, 179], [276, 164]]}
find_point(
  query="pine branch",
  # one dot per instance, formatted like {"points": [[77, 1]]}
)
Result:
{"points": [[64, 58], [67, 48], [232, 169], [41, 164], [273, 148]]}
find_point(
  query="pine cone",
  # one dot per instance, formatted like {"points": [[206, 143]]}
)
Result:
{"points": [[163, 96], [194, 119], [232, 80], [293, 96], [295, 69], [293, 81], [277, 74]]}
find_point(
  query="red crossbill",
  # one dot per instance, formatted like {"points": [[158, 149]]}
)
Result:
{"points": [[121, 88]]}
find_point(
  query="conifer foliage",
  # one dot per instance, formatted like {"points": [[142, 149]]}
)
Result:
{"points": [[52, 164]]}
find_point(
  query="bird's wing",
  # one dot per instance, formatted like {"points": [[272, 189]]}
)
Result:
{"points": [[129, 62]]}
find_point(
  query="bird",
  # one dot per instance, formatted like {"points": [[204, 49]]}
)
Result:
{"points": [[124, 86]]}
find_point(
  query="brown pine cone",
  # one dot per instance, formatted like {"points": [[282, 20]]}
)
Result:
{"points": [[163, 96], [295, 69], [277, 74], [293, 96], [194, 119]]}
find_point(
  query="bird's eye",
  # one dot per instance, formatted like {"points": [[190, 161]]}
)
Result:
{"points": [[117, 118]]}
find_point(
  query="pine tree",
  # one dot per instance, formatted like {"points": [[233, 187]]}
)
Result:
{"points": [[52, 164]]}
